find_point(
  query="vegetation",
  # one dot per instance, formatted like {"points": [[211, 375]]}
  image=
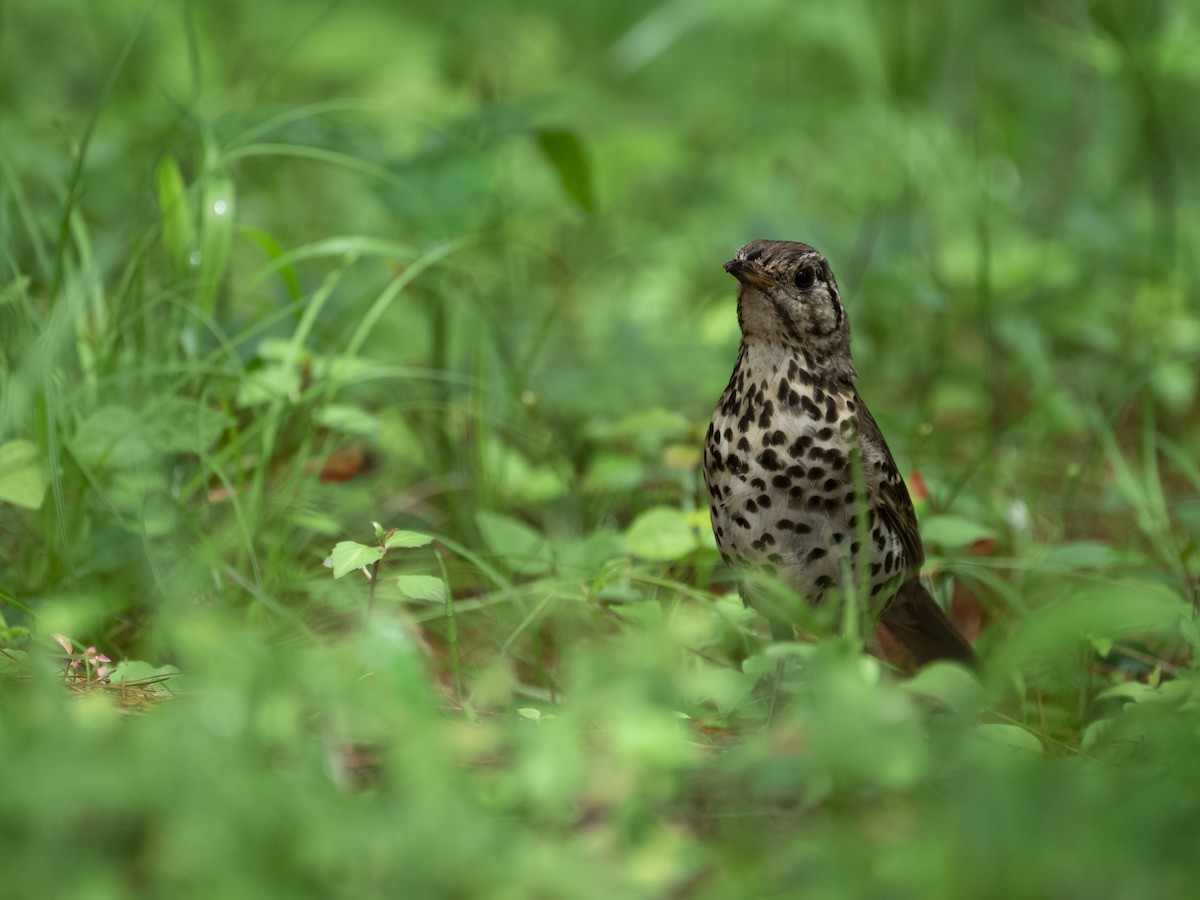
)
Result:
{"points": [[271, 272]]}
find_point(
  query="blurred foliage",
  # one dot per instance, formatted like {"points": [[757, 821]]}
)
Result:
{"points": [[270, 272]]}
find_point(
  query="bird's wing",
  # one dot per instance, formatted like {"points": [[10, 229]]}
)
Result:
{"points": [[889, 494]]}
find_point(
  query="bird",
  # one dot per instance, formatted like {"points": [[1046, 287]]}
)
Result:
{"points": [[789, 441]]}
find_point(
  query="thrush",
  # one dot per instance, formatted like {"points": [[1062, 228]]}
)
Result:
{"points": [[790, 440]]}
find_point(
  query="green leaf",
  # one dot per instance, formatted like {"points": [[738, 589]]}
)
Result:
{"points": [[347, 419], [112, 437], [136, 670], [176, 216], [954, 531], [422, 587], [1090, 555], [948, 682], [662, 534], [271, 382], [22, 474], [1013, 736], [407, 539], [217, 205], [274, 252], [350, 555], [516, 543], [565, 153]]}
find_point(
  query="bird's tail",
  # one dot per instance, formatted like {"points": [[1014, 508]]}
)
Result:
{"points": [[918, 623]]}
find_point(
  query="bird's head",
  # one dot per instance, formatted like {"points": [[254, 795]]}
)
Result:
{"points": [[788, 296]]}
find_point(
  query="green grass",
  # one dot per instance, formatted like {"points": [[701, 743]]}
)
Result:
{"points": [[271, 273]]}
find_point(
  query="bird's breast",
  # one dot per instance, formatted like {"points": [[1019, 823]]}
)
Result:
{"points": [[781, 488]]}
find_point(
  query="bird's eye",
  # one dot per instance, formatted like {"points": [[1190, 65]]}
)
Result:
{"points": [[806, 277]]}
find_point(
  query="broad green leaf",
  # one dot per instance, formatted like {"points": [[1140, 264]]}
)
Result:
{"points": [[954, 531], [522, 548], [348, 420], [398, 539], [271, 382], [1012, 736], [1090, 555], [176, 425], [663, 534], [22, 474], [112, 437], [136, 670], [422, 587], [566, 154], [948, 682], [350, 555]]}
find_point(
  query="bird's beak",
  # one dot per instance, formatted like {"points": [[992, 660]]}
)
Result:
{"points": [[748, 273]]}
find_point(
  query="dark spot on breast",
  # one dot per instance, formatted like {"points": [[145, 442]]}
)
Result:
{"points": [[850, 497], [816, 473], [824, 582], [775, 558], [758, 483], [810, 408], [728, 434], [838, 537], [889, 561], [740, 522], [764, 501], [743, 444], [768, 539], [725, 558], [784, 389], [875, 568], [793, 398], [781, 481], [816, 553], [795, 471], [751, 506], [769, 461], [743, 423], [825, 434], [802, 528], [831, 483], [764, 418], [831, 413]]}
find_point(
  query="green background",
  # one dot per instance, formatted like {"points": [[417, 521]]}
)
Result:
{"points": [[468, 255]]}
